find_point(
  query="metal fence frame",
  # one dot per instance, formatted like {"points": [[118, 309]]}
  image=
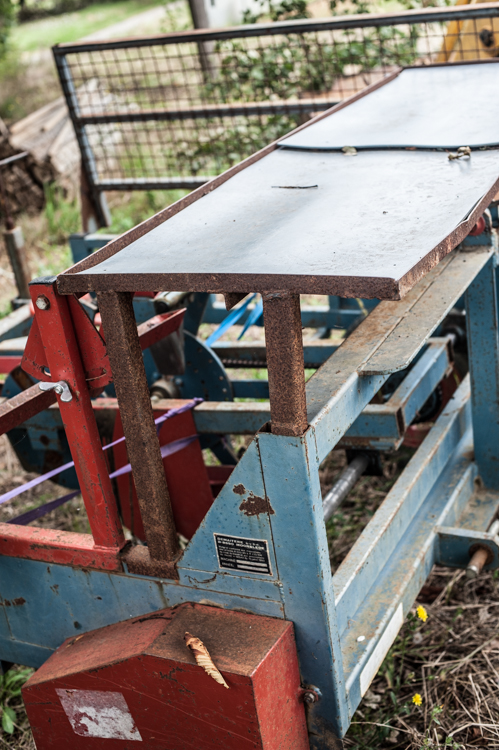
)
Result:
{"points": [[96, 187]]}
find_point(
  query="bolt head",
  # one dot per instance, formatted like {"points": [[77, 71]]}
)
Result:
{"points": [[309, 697], [42, 302]]}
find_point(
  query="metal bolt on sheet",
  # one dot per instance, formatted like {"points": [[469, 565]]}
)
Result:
{"points": [[42, 302], [310, 695]]}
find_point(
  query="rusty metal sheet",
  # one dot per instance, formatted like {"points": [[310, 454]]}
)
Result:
{"points": [[368, 226], [425, 107]]}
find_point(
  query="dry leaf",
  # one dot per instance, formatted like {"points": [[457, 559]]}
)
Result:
{"points": [[203, 658]]}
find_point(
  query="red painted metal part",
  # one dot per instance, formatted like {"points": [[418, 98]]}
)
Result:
{"points": [[91, 347], [55, 546], [137, 682], [62, 355], [158, 327], [478, 228], [186, 476], [83, 363], [8, 362], [218, 475]]}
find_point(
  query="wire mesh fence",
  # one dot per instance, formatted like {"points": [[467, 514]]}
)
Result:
{"points": [[175, 110]]}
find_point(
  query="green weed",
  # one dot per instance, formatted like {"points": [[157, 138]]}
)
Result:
{"points": [[10, 693]]}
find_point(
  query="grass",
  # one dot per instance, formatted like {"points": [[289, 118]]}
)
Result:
{"points": [[69, 27], [46, 235]]}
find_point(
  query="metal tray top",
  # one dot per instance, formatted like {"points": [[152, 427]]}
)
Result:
{"points": [[374, 224], [426, 107]]}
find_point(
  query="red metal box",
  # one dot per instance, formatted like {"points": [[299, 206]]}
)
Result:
{"points": [[137, 682]]}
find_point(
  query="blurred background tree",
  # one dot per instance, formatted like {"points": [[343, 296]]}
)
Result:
{"points": [[6, 19]]}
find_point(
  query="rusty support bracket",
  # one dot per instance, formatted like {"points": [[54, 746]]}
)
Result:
{"points": [[284, 342], [232, 298], [138, 426]]}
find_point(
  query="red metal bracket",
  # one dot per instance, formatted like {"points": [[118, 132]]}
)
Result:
{"points": [[55, 320], [90, 344]]}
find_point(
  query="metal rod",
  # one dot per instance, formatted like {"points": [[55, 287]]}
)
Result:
{"points": [[477, 562], [125, 355], [362, 20], [219, 110], [284, 343], [16, 157], [16, 250], [343, 485]]}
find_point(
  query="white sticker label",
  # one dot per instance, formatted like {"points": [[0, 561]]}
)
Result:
{"points": [[99, 713], [376, 659]]}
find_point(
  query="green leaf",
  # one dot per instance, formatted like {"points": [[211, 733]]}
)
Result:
{"points": [[8, 718]]}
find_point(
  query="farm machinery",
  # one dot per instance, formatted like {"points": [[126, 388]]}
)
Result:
{"points": [[385, 205]]}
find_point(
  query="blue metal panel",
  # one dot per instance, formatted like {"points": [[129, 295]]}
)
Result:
{"points": [[240, 510], [483, 351], [343, 408], [250, 388], [456, 545], [422, 380], [358, 572], [383, 607], [290, 470], [16, 324], [42, 604], [313, 316], [233, 422]]}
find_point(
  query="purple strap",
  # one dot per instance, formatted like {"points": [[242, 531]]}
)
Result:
{"points": [[166, 450], [38, 480], [32, 515]]}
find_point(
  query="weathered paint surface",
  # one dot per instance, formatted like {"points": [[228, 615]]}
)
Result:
{"points": [[99, 713], [166, 700]]}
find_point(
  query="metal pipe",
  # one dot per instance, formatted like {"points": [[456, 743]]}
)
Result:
{"points": [[477, 562], [364, 20], [481, 555], [171, 299], [346, 482]]}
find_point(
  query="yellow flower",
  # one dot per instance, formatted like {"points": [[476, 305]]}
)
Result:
{"points": [[422, 613], [416, 699]]}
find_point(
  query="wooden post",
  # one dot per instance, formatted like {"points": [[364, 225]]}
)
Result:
{"points": [[200, 21], [14, 242]]}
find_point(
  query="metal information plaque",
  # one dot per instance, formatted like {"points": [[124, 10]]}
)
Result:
{"points": [[238, 553]]}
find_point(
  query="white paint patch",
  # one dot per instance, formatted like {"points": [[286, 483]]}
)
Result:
{"points": [[99, 713], [376, 659]]}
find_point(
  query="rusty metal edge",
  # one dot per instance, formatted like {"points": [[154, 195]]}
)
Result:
{"points": [[345, 286], [141, 229], [448, 244]]}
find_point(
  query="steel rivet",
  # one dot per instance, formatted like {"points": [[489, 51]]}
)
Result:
{"points": [[42, 302]]}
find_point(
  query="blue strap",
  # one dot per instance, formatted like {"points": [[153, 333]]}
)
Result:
{"points": [[253, 318], [229, 321]]}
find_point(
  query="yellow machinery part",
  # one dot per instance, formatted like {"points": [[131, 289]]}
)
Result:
{"points": [[475, 39]]}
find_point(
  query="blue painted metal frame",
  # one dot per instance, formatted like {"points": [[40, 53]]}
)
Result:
{"points": [[434, 513]]}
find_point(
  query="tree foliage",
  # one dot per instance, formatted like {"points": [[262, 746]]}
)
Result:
{"points": [[6, 19]]}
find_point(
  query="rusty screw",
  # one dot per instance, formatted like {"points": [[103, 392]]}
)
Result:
{"points": [[42, 302]]}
